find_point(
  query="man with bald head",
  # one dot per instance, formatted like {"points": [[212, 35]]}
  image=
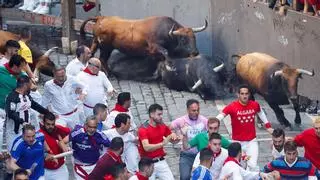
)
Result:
{"points": [[96, 83]]}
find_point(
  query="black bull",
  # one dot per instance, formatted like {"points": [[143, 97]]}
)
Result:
{"points": [[198, 74]]}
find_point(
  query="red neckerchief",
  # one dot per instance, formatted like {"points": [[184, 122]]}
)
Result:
{"points": [[87, 70], [108, 177], [6, 65], [119, 108], [114, 156], [141, 177], [215, 155], [231, 159]]}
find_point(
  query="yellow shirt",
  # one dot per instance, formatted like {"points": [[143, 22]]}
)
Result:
{"points": [[25, 52]]}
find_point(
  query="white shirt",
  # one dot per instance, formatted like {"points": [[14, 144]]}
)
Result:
{"points": [[134, 177], [109, 123], [74, 67], [128, 138], [276, 153], [217, 163], [3, 61], [237, 172], [63, 99], [95, 86]]}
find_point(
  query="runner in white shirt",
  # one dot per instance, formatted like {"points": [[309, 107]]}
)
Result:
{"points": [[219, 155], [96, 82], [232, 168], [278, 140], [130, 154], [122, 106], [62, 94], [78, 64]]}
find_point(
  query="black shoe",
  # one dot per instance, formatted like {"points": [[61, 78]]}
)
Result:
{"points": [[9, 5]]}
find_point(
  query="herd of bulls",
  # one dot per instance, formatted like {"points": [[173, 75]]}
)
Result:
{"points": [[161, 48]]}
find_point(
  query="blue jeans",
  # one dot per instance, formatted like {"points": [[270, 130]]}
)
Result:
{"points": [[185, 164]]}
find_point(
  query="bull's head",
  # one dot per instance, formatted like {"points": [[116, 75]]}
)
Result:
{"points": [[44, 64], [290, 78], [186, 40]]}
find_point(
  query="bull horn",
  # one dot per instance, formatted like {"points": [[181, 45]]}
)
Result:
{"points": [[199, 29], [218, 68], [196, 85], [278, 73], [170, 69], [172, 32], [51, 50], [302, 71]]}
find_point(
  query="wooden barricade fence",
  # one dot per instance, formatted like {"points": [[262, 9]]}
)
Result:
{"points": [[68, 24]]}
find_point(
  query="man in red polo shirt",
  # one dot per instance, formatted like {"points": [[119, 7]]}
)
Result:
{"points": [[52, 135], [310, 140], [153, 136]]}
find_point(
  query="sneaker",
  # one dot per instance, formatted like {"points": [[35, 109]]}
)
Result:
{"points": [[286, 128], [37, 9], [44, 10]]}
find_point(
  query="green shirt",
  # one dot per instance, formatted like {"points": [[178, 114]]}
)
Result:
{"points": [[201, 141], [8, 83]]}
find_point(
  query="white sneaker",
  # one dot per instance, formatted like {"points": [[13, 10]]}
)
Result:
{"points": [[25, 5], [37, 9], [44, 10], [32, 4]]}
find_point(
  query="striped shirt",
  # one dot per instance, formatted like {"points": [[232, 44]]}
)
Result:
{"points": [[201, 173], [301, 169]]}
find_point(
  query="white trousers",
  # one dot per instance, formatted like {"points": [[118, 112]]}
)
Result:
{"points": [[87, 169], [161, 171], [251, 148], [2, 120], [69, 121], [131, 157], [57, 174], [87, 111]]}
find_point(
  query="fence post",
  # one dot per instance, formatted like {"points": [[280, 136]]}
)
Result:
{"points": [[68, 12]]}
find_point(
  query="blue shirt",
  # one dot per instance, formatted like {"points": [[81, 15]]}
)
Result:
{"points": [[201, 173], [87, 148], [100, 126], [30, 155]]}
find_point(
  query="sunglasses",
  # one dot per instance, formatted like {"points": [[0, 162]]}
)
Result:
{"points": [[91, 64]]}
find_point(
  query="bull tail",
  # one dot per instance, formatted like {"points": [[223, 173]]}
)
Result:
{"points": [[82, 31]]}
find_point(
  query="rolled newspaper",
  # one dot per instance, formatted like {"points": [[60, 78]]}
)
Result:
{"points": [[63, 154]]}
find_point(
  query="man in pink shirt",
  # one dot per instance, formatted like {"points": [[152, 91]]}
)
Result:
{"points": [[189, 126]]}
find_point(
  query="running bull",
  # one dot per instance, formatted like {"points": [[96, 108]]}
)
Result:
{"points": [[276, 81], [159, 36], [198, 74], [41, 61]]}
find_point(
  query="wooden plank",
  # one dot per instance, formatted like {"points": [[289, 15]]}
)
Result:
{"points": [[18, 15], [11, 15]]}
